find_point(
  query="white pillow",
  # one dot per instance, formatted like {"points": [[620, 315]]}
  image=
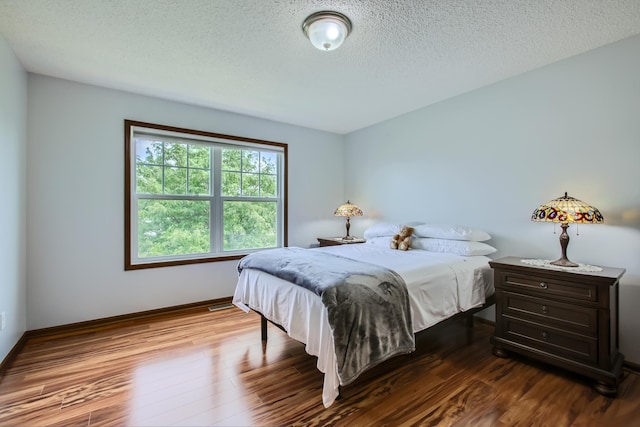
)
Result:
{"points": [[479, 236], [380, 240], [450, 231], [457, 247], [382, 229], [413, 223]]}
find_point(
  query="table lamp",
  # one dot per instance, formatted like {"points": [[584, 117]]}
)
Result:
{"points": [[566, 210], [348, 209]]}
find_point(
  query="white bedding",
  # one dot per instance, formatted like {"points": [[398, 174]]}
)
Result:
{"points": [[440, 286]]}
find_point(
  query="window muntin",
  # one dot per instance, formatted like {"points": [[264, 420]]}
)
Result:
{"points": [[193, 196]]}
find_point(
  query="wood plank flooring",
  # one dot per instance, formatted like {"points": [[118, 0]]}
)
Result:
{"points": [[197, 367]]}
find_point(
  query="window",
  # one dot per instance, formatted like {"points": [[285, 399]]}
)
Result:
{"points": [[193, 196]]}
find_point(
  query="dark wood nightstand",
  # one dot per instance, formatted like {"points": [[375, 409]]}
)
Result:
{"points": [[334, 241], [565, 318]]}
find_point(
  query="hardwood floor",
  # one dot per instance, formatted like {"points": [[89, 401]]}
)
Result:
{"points": [[210, 368]]}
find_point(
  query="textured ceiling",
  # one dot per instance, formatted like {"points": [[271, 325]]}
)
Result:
{"points": [[251, 57]]}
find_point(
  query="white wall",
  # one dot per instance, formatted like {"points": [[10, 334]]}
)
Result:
{"points": [[490, 157], [13, 207], [76, 195]]}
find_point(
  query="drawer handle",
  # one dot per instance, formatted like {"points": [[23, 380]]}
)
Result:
{"points": [[543, 285], [545, 336], [545, 309]]}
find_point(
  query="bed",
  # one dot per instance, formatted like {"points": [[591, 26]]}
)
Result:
{"points": [[439, 286]]}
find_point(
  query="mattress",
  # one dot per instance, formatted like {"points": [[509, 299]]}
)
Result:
{"points": [[439, 285]]}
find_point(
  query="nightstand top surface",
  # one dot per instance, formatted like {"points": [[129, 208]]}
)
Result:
{"points": [[516, 262], [342, 240]]}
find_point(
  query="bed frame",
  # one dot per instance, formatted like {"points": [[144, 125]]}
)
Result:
{"points": [[467, 315]]}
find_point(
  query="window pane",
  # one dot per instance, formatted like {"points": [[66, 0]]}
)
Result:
{"points": [[268, 187], [250, 184], [149, 152], [250, 161], [199, 156], [268, 162], [175, 181], [199, 182], [148, 179], [249, 225], [175, 154], [231, 183], [172, 227], [231, 159]]}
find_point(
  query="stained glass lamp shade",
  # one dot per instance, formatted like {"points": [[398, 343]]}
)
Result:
{"points": [[348, 210], [566, 210]]}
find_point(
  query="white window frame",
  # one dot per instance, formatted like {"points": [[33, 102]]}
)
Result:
{"points": [[216, 200]]}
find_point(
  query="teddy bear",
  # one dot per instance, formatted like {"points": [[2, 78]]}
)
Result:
{"points": [[402, 240]]}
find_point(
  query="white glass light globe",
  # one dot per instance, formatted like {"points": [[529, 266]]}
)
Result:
{"points": [[327, 34]]}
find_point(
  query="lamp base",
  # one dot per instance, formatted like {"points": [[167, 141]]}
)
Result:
{"points": [[563, 262], [347, 237], [564, 242]]}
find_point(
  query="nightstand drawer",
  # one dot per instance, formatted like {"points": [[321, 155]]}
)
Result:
{"points": [[551, 340], [546, 287], [571, 317]]}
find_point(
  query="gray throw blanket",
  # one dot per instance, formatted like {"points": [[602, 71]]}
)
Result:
{"points": [[368, 305]]}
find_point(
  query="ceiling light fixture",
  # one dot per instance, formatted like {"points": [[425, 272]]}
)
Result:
{"points": [[326, 30]]}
